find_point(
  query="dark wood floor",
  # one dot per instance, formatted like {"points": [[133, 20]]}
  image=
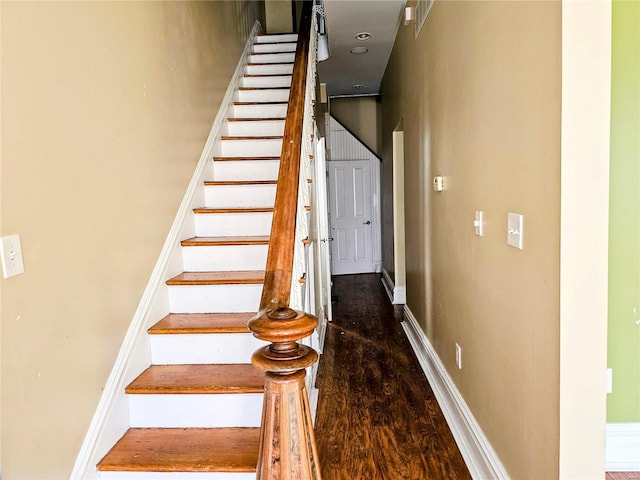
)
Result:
{"points": [[377, 416]]}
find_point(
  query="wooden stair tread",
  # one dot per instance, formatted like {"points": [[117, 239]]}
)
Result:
{"points": [[211, 183], [239, 159], [256, 64], [270, 53], [267, 75], [233, 210], [212, 241], [241, 277], [251, 137], [263, 88], [274, 43], [199, 378], [256, 119], [199, 323], [260, 103], [184, 450]]}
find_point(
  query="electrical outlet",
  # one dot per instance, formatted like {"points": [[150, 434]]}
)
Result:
{"points": [[459, 356], [11, 256]]}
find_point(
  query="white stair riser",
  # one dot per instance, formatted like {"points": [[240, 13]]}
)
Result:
{"points": [[195, 410], [224, 258], [282, 69], [266, 82], [246, 170], [277, 38], [274, 47], [287, 57], [256, 128], [233, 224], [214, 298], [203, 348], [268, 95], [176, 476], [238, 196], [251, 148], [277, 110]]}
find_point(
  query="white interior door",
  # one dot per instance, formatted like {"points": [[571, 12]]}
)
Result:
{"points": [[350, 203]]}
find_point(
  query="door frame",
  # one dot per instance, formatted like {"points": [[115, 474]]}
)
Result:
{"points": [[399, 260]]}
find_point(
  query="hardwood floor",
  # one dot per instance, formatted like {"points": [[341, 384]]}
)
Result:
{"points": [[623, 476], [377, 416]]}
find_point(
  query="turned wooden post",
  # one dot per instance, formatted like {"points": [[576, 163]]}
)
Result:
{"points": [[287, 442]]}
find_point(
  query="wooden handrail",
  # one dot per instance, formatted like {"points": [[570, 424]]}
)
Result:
{"points": [[277, 283], [287, 442]]}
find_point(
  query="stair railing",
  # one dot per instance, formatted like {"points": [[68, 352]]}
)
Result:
{"points": [[287, 441]]}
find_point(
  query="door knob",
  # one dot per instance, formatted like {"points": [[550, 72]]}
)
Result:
{"points": [[368, 222], [327, 240]]}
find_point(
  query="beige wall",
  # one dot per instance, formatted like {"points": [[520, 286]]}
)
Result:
{"points": [[360, 115], [479, 94], [105, 110], [279, 16]]}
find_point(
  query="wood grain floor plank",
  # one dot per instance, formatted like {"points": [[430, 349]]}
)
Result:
{"points": [[377, 415]]}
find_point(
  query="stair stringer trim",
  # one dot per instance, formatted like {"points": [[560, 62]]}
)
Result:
{"points": [[479, 456], [111, 418]]}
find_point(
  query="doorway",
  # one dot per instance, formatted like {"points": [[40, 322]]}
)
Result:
{"points": [[354, 216]]}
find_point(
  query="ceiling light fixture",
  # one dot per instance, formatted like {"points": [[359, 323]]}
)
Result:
{"points": [[359, 50], [363, 36]]}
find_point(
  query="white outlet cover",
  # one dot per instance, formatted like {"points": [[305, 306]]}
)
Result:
{"points": [[11, 256], [515, 232]]}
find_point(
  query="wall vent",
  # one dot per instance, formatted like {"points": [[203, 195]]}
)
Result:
{"points": [[422, 10]]}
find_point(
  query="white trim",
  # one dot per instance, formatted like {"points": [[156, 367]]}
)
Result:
{"points": [[397, 295], [584, 233], [623, 447], [111, 420], [482, 461]]}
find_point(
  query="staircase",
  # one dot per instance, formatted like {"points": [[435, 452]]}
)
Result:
{"points": [[195, 412]]}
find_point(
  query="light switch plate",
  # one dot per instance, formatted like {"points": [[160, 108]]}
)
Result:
{"points": [[515, 229], [477, 222], [11, 256]]}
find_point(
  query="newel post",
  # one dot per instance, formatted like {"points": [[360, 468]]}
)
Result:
{"points": [[287, 442]]}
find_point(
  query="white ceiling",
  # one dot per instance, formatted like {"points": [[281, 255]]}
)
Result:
{"points": [[344, 19]]}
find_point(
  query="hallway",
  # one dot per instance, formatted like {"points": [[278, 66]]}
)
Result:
{"points": [[377, 416]]}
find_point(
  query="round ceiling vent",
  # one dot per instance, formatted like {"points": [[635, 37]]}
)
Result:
{"points": [[359, 50]]}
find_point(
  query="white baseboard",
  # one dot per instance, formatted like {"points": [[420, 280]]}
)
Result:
{"points": [[623, 447], [111, 418], [482, 461], [397, 295]]}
